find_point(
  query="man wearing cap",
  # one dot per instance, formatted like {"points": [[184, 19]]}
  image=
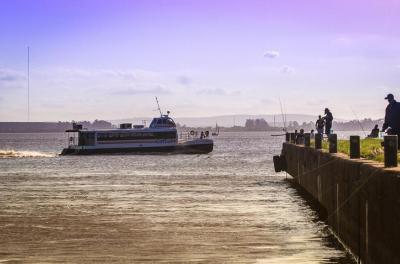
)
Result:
{"points": [[392, 117]]}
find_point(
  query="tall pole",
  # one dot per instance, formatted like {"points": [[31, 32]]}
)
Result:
{"points": [[28, 90]]}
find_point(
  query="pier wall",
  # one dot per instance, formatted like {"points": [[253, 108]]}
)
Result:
{"points": [[361, 199]]}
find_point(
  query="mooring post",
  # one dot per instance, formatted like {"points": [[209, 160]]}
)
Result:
{"points": [[318, 141], [390, 150], [292, 138], [287, 136], [354, 147], [307, 139], [332, 138]]}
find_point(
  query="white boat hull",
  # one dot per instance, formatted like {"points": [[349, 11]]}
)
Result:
{"points": [[198, 146]]}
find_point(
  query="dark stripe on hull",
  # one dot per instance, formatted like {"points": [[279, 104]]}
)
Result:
{"points": [[194, 149], [178, 149]]}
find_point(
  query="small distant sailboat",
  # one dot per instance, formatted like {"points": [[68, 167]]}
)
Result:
{"points": [[216, 133]]}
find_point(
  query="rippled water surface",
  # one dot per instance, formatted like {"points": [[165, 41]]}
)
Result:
{"points": [[225, 207]]}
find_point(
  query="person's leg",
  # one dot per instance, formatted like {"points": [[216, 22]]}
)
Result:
{"points": [[327, 129]]}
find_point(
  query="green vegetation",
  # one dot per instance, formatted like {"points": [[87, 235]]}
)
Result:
{"points": [[370, 148]]}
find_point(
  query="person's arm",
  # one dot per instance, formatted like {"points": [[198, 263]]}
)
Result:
{"points": [[385, 124]]}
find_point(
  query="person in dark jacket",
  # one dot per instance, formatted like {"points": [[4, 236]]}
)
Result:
{"points": [[300, 137], [328, 121], [319, 125], [392, 117]]}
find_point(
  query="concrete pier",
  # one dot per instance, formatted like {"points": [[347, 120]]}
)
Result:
{"points": [[360, 198]]}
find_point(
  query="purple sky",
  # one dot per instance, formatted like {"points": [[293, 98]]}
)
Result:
{"points": [[108, 59]]}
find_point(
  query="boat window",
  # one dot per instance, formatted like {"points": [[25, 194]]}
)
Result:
{"points": [[170, 122], [153, 122], [132, 136], [86, 139]]}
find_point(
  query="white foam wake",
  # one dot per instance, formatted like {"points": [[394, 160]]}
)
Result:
{"points": [[9, 153]]}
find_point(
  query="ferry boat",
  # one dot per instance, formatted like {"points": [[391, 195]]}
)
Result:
{"points": [[160, 137]]}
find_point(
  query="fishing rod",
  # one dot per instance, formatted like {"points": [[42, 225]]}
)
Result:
{"points": [[285, 113], [283, 120], [358, 121], [282, 114]]}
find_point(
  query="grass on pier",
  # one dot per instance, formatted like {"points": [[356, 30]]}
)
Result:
{"points": [[370, 148]]}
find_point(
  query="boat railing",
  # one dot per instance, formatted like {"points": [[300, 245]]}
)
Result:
{"points": [[192, 135], [72, 137]]}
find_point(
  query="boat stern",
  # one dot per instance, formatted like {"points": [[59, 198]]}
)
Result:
{"points": [[196, 146]]}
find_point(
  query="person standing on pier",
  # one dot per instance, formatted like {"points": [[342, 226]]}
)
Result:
{"points": [[300, 137], [328, 121], [392, 117], [319, 125]]}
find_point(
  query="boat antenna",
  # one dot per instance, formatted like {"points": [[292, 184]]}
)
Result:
{"points": [[158, 105]]}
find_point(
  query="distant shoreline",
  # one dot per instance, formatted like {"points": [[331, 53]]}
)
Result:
{"points": [[252, 125]]}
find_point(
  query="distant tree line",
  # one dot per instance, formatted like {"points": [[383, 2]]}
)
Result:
{"points": [[365, 124], [34, 127], [262, 125], [258, 124]]}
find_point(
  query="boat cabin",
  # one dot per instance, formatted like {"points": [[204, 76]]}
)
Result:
{"points": [[162, 122]]}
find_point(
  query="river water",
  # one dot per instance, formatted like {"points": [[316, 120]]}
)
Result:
{"points": [[225, 207]]}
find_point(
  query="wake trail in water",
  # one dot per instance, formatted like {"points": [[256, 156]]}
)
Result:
{"points": [[10, 153]]}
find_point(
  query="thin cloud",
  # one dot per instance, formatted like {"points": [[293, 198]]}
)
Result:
{"points": [[267, 101], [132, 91], [271, 54], [317, 102], [236, 92], [184, 80], [216, 91], [10, 79], [287, 70], [7, 75], [123, 75], [53, 105]]}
